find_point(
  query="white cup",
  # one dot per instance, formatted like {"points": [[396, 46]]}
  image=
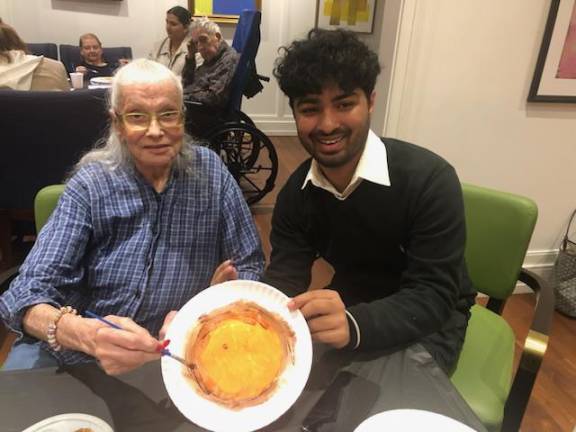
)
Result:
{"points": [[77, 79]]}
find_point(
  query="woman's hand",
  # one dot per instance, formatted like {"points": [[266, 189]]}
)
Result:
{"points": [[325, 313], [81, 69], [120, 351], [224, 272]]}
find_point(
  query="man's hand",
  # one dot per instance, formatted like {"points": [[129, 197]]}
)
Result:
{"points": [[81, 69], [120, 351], [326, 316], [224, 272], [192, 49]]}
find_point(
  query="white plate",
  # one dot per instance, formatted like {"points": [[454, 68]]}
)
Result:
{"points": [[101, 80], [411, 420], [211, 415], [70, 423]]}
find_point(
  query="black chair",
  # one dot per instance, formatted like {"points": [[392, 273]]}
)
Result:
{"points": [[43, 135], [247, 152], [49, 50], [70, 56]]}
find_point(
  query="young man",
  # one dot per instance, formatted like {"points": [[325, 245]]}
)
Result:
{"points": [[386, 214]]}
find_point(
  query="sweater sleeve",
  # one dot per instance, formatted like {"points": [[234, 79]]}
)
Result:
{"points": [[292, 253], [430, 284]]}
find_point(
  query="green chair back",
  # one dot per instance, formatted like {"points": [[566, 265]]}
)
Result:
{"points": [[45, 202], [499, 226]]}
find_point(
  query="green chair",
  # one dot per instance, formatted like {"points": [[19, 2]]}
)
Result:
{"points": [[499, 226], [44, 203]]}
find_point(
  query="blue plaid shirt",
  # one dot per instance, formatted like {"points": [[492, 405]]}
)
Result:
{"points": [[115, 246]]}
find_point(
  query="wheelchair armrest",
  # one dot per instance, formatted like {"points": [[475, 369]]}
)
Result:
{"points": [[6, 277], [192, 102], [533, 351]]}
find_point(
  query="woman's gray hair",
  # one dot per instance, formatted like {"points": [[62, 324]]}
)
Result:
{"points": [[203, 23], [113, 152]]}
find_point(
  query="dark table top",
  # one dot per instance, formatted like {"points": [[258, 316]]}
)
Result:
{"points": [[138, 401]]}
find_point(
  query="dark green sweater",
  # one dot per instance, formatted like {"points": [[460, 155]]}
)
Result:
{"points": [[397, 251]]}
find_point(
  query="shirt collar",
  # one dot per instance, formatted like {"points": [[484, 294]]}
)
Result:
{"points": [[372, 166], [183, 48]]}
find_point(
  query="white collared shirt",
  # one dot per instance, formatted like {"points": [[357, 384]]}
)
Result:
{"points": [[372, 166]]}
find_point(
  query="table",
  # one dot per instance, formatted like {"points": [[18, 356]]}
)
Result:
{"points": [[138, 401]]}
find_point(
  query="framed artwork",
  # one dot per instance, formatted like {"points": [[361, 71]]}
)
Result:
{"points": [[555, 75], [355, 15], [222, 11]]}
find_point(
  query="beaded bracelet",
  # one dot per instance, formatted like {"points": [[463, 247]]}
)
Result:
{"points": [[52, 327]]}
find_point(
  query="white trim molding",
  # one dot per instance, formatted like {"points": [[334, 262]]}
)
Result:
{"points": [[274, 127], [540, 262]]}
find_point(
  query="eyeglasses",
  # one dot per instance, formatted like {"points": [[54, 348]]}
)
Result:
{"points": [[140, 121]]}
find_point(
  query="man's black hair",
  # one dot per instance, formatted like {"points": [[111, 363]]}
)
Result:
{"points": [[326, 56]]}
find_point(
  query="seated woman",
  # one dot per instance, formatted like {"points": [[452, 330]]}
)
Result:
{"points": [[171, 51], [209, 83], [146, 222], [22, 71], [93, 63]]}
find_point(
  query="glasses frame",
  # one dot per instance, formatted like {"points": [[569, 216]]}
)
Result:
{"points": [[151, 116]]}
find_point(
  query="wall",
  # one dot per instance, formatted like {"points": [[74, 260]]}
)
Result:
{"points": [[461, 79], [139, 23], [458, 74]]}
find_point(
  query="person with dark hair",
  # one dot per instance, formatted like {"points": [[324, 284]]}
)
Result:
{"points": [[93, 63], [386, 214], [172, 50], [21, 71]]}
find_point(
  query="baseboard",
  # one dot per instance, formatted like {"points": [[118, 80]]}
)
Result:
{"points": [[275, 127], [540, 262]]}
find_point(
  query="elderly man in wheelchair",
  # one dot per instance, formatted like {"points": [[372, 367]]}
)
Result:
{"points": [[207, 87], [213, 96]]}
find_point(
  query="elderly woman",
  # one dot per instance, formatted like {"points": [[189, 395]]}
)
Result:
{"points": [[22, 71], [144, 224], [93, 62], [171, 51]]}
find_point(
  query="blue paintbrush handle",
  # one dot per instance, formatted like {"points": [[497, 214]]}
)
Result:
{"points": [[104, 320]]}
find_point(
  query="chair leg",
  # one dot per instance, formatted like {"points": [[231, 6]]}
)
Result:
{"points": [[518, 399]]}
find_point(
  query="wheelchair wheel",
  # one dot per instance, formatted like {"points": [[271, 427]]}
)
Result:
{"points": [[249, 156]]}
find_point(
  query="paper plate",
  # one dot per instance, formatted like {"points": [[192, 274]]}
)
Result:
{"points": [[411, 419], [70, 422], [101, 80], [211, 415]]}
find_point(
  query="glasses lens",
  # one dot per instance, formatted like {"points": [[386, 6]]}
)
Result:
{"points": [[170, 118], [141, 121], [137, 120]]}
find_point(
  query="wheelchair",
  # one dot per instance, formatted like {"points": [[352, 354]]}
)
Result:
{"points": [[247, 152]]}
